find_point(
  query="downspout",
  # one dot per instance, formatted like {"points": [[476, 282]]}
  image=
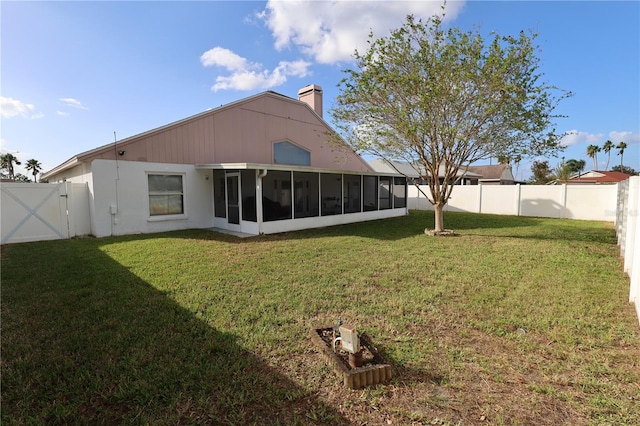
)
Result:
{"points": [[114, 208], [261, 174]]}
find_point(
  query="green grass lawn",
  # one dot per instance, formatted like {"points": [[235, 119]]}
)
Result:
{"points": [[515, 321]]}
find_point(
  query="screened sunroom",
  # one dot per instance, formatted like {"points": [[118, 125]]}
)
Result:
{"points": [[264, 199]]}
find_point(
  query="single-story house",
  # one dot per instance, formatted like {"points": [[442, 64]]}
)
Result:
{"points": [[414, 172], [494, 174], [598, 177], [262, 164]]}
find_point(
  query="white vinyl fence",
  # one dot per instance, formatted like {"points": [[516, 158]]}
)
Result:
{"points": [[586, 202], [43, 211], [628, 230]]}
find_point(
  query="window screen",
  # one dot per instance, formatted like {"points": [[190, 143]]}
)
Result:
{"points": [[331, 188], [370, 193], [219, 193], [276, 196], [306, 194], [351, 193], [399, 192], [385, 192], [248, 183]]}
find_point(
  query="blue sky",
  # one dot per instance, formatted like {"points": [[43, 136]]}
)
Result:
{"points": [[73, 73]]}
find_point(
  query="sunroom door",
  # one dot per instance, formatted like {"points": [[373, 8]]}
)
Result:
{"points": [[233, 198]]}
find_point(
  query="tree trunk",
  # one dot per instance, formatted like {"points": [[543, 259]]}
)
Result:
{"points": [[438, 208]]}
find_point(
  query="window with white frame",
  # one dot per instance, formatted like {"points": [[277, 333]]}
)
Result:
{"points": [[166, 195]]}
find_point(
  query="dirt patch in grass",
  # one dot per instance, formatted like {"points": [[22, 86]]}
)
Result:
{"points": [[445, 233], [492, 384]]}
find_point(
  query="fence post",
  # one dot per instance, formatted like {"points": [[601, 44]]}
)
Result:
{"points": [[518, 197], [564, 201], [479, 198], [631, 232], [631, 226], [621, 213], [68, 204]]}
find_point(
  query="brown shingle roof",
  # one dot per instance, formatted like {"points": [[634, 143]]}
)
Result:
{"points": [[489, 171]]}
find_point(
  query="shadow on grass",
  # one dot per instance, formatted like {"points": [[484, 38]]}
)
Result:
{"points": [[97, 345], [414, 224], [391, 229]]}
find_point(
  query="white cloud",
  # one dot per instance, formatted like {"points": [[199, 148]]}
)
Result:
{"points": [[70, 102], [219, 56], [246, 75], [249, 80], [331, 31], [328, 32], [10, 107], [629, 138], [575, 137], [62, 113]]}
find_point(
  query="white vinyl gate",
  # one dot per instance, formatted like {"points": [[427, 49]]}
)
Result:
{"points": [[42, 211]]}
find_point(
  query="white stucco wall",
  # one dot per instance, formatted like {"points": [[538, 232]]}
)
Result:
{"points": [[121, 203], [80, 173]]}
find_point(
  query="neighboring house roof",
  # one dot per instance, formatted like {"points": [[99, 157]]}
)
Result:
{"points": [[497, 172], [599, 176], [239, 132], [384, 166], [411, 170]]}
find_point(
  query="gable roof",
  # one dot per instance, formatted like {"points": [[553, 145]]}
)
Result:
{"points": [[411, 170], [216, 122], [600, 176], [493, 172]]}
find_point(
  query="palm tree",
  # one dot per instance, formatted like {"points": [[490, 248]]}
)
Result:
{"points": [[34, 166], [562, 173], [7, 161], [576, 166], [607, 147], [621, 147], [592, 151]]}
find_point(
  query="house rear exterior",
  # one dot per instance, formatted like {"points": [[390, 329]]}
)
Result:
{"points": [[263, 164]]}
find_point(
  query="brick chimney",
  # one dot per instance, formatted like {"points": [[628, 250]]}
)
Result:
{"points": [[312, 96]]}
